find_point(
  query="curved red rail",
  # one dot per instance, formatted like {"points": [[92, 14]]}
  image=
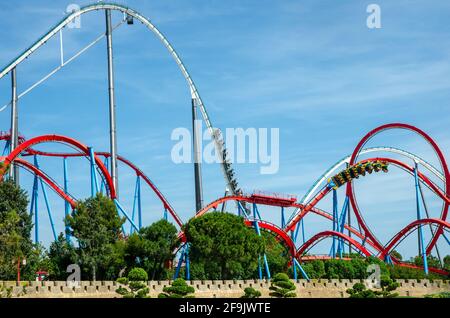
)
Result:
{"points": [[443, 164], [409, 228], [65, 140], [51, 183], [319, 236]]}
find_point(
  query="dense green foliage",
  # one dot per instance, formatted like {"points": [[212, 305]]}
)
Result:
{"points": [[282, 287], [179, 289], [439, 295], [356, 268], [134, 285], [222, 247], [97, 226], [137, 274], [387, 285], [153, 248], [250, 292], [15, 234]]}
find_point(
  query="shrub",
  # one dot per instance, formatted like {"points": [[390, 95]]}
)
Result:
{"points": [[250, 292], [179, 289], [282, 287], [137, 274], [134, 286]]}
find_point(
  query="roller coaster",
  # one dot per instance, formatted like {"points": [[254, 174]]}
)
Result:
{"points": [[23, 153]]}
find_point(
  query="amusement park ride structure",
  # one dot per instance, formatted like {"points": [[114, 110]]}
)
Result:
{"points": [[343, 174]]}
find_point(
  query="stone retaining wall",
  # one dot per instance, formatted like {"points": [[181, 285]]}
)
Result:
{"points": [[332, 288]]}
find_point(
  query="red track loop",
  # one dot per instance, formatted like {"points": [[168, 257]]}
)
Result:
{"points": [[319, 236], [404, 232], [61, 139], [47, 180], [350, 190]]}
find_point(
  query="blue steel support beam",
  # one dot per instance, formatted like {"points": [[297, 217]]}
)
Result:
{"points": [[266, 264], [421, 242], [187, 263], [102, 183], [134, 202], [7, 148], [305, 276], [283, 221], [180, 261], [260, 274], [341, 225], [94, 181], [120, 208], [335, 221], [36, 207], [47, 204], [241, 210]]}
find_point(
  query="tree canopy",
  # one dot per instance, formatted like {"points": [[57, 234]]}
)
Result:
{"points": [[97, 226], [222, 246]]}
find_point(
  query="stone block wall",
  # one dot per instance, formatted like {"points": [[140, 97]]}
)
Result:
{"points": [[332, 288]]}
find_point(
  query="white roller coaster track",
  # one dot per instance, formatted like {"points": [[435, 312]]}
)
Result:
{"points": [[126, 10], [338, 166]]}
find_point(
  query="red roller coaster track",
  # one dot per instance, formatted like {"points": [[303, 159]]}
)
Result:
{"points": [[366, 236]]}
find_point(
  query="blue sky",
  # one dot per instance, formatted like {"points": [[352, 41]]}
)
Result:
{"points": [[310, 68]]}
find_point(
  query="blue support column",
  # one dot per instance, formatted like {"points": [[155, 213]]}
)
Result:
{"points": [[120, 208], [102, 183], [7, 148], [266, 264], [66, 204], [335, 221], [94, 181], [241, 211], [305, 276], [260, 274], [421, 242], [134, 202], [341, 225], [283, 221], [165, 214], [295, 232], [187, 265], [294, 268], [47, 204], [35, 201], [180, 261]]}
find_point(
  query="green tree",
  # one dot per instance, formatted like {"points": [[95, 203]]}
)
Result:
{"points": [[134, 285], [15, 230], [360, 290], [179, 289], [397, 255], [282, 287], [97, 227], [387, 287], [431, 260], [250, 292], [153, 248], [447, 262], [223, 246], [61, 254], [314, 269]]}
